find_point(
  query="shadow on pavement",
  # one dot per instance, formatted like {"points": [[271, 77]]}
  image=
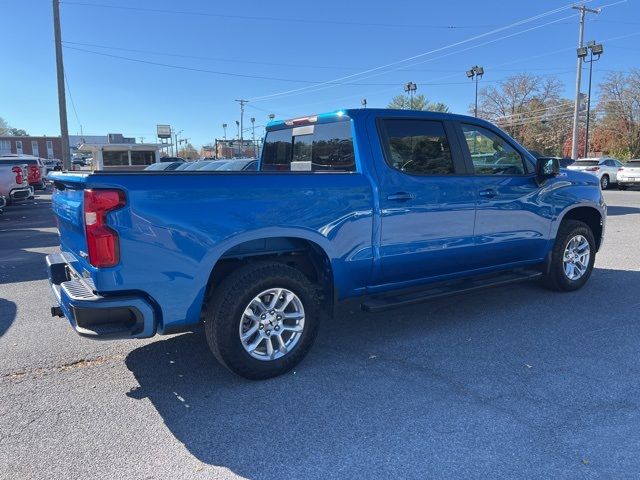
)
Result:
{"points": [[516, 381], [7, 315], [614, 210]]}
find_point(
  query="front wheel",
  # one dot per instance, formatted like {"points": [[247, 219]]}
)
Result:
{"points": [[604, 182], [572, 257], [261, 321]]}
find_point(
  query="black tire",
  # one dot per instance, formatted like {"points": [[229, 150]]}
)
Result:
{"points": [[604, 182], [555, 278], [225, 307]]}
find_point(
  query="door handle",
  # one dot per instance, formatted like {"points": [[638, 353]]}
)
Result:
{"points": [[488, 193], [401, 196]]}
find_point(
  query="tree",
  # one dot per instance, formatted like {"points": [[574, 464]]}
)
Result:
{"points": [[530, 109], [419, 102], [188, 152], [4, 127], [619, 127]]}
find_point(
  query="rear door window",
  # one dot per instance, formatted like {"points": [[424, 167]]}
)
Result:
{"points": [[321, 147], [417, 147]]}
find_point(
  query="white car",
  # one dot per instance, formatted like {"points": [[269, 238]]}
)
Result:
{"points": [[606, 169], [629, 174]]}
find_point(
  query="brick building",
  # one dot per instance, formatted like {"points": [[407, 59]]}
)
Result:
{"points": [[44, 147]]}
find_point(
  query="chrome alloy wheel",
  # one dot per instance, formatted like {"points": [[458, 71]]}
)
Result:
{"points": [[576, 257], [272, 324]]}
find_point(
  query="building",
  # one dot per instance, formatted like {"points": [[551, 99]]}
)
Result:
{"points": [[234, 149], [122, 156], [43, 147]]}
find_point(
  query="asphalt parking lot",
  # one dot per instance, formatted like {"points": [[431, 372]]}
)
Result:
{"points": [[515, 382]]}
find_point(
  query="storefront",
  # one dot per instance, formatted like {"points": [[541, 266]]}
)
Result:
{"points": [[121, 156]]}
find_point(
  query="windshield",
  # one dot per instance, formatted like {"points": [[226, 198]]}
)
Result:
{"points": [[633, 164], [586, 163], [326, 146]]}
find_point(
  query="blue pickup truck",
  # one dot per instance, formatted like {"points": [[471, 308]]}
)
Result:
{"points": [[392, 207]]}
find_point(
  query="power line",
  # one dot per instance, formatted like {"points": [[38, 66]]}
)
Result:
{"points": [[272, 19], [414, 57], [73, 104], [274, 64], [232, 74], [326, 85]]}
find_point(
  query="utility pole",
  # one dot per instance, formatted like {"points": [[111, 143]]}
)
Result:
{"points": [[576, 109], [242, 104], [62, 101]]}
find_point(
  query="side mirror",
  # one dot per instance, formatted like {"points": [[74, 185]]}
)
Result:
{"points": [[547, 168]]}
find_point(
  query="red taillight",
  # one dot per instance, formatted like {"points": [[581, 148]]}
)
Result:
{"points": [[593, 169], [19, 175], [34, 173], [102, 241]]}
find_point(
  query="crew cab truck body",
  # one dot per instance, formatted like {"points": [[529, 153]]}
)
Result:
{"points": [[393, 207]]}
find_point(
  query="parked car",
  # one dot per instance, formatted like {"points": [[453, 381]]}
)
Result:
{"points": [[629, 174], [239, 164], [172, 159], [166, 166], [52, 165], [197, 165], [214, 165], [392, 207], [14, 186], [606, 169], [36, 169]]}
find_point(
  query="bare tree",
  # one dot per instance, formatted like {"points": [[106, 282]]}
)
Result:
{"points": [[619, 127], [530, 109], [4, 127]]}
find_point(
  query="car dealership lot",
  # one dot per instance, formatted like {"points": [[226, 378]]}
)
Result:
{"points": [[515, 381]]}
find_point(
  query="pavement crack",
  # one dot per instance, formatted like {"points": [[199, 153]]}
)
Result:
{"points": [[64, 367]]}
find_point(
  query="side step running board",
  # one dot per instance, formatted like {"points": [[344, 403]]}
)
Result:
{"points": [[378, 303]]}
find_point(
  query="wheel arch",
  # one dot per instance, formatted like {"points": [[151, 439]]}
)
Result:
{"points": [[301, 250], [589, 214]]}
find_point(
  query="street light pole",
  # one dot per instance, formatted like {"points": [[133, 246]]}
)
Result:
{"points": [[476, 73], [238, 125], [62, 101], [576, 107], [224, 128], [410, 88], [253, 136], [597, 49]]}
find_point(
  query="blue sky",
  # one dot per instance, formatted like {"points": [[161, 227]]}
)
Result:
{"points": [[303, 42]]}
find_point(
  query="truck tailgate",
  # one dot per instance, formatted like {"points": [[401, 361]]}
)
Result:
{"points": [[67, 205]]}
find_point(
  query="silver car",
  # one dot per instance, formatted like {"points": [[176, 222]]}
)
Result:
{"points": [[629, 174], [606, 169], [10, 187]]}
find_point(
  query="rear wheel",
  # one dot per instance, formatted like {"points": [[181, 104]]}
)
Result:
{"points": [[262, 319], [572, 257], [604, 182]]}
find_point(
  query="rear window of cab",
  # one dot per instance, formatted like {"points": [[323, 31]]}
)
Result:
{"points": [[310, 148]]}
